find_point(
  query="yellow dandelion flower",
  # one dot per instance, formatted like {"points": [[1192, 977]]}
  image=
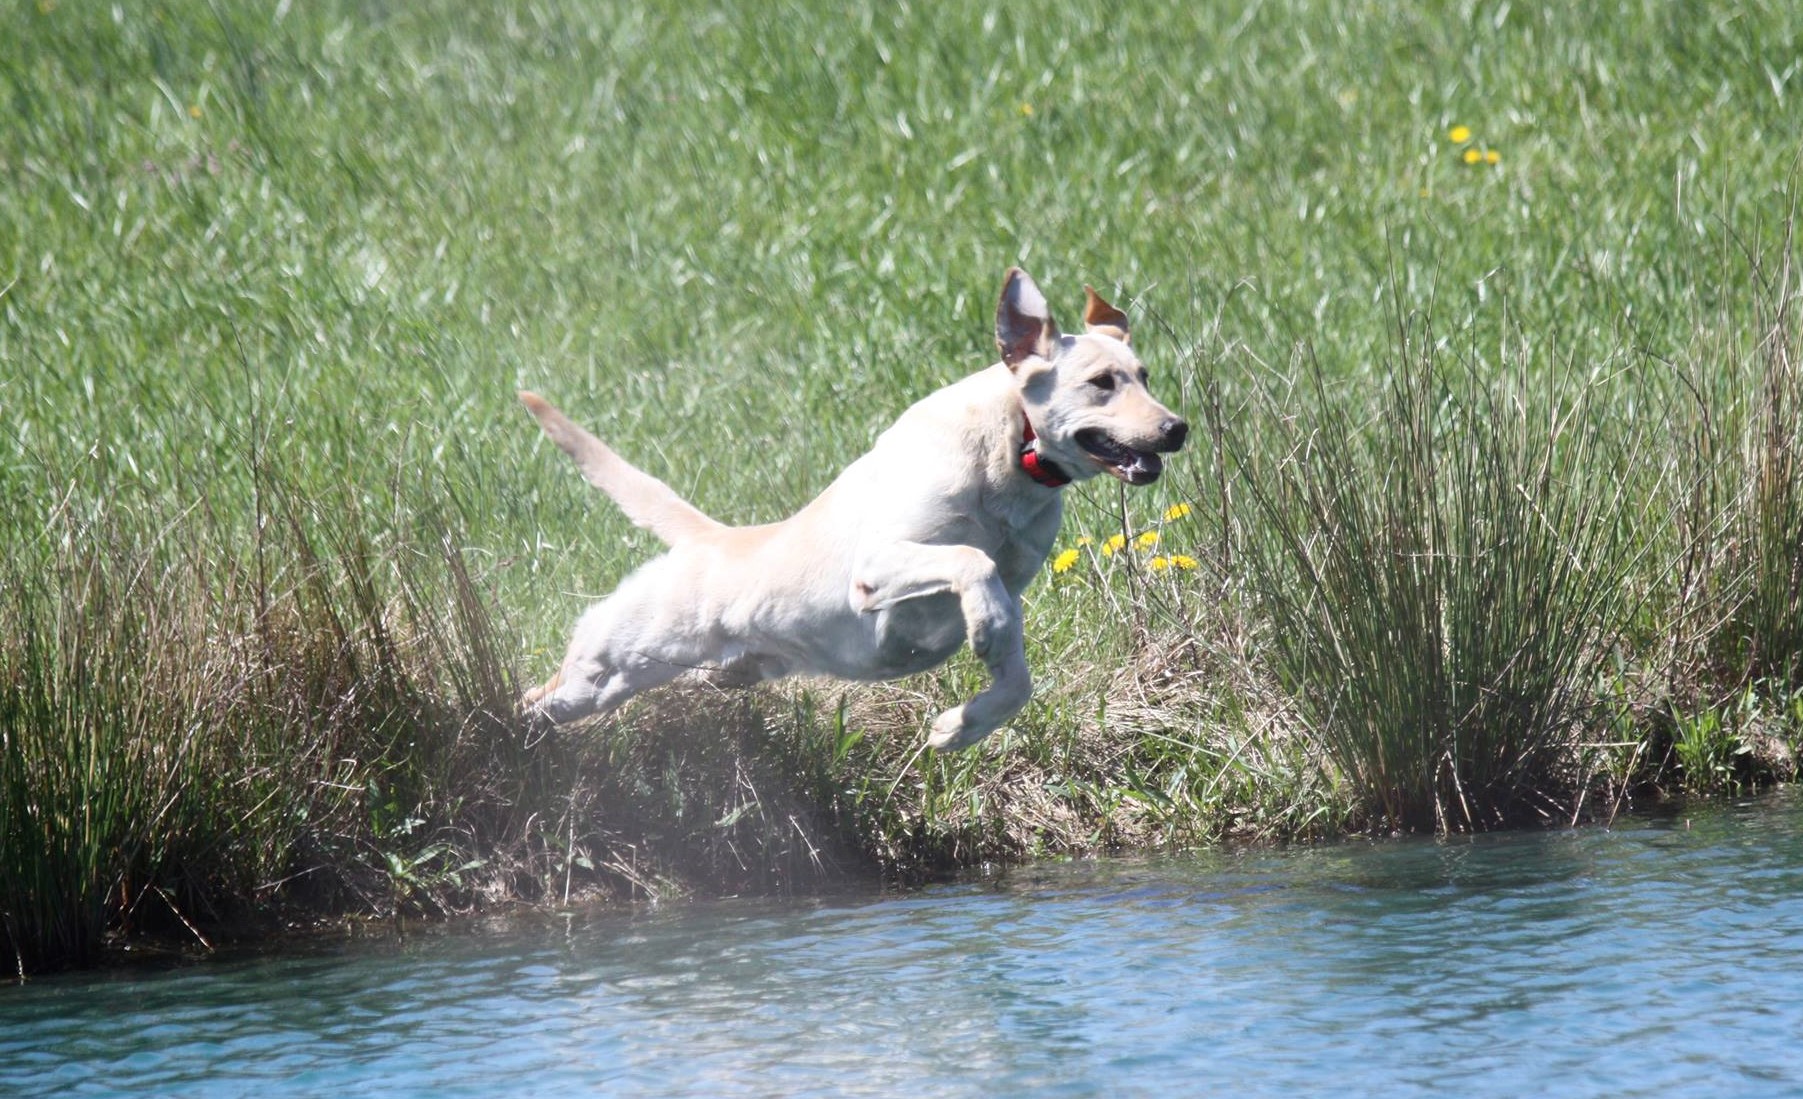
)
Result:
{"points": [[1115, 542], [1472, 156], [1026, 110], [1159, 564], [194, 111], [1182, 561], [1491, 156], [1176, 511], [1084, 540], [1459, 135], [1146, 540], [1064, 561]]}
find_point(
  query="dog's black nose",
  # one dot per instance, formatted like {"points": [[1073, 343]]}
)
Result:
{"points": [[1175, 431]]}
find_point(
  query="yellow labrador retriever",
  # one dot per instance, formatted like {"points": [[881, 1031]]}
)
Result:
{"points": [[923, 543]]}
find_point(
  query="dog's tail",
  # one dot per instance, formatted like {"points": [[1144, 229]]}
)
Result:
{"points": [[647, 501]]}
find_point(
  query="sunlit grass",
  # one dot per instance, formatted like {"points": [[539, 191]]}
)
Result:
{"points": [[270, 274]]}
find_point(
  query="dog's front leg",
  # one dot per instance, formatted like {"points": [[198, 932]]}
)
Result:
{"points": [[992, 625]]}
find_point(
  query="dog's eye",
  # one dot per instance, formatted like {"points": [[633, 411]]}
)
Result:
{"points": [[1103, 382]]}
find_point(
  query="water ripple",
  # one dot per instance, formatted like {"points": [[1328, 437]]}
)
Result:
{"points": [[1651, 959]]}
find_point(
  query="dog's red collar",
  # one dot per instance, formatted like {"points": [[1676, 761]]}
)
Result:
{"points": [[1032, 464]]}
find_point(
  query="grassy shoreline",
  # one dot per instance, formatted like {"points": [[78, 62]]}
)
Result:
{"points": [[1496, 519]]}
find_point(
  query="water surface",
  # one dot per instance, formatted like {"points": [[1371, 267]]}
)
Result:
{"points": [[1660, 957]]}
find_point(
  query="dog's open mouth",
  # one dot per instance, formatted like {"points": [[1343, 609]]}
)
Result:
{"points": [[1136, 467]]}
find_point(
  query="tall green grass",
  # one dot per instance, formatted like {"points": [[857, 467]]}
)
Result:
{"points": [[1728, 635], [279, 547], [1769, 519], [1445, 570], [192, 722]]}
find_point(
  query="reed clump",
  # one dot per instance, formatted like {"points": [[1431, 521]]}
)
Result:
{"points": [[1763, 633], [197, 729], [1728, 639], [1445, 571]]}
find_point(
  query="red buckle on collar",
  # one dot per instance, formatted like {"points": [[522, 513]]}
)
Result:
{"points": [[1032, 464]]}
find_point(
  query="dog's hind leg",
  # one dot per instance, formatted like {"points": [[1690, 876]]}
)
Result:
{"points": [[598, 690], [640, 637], [992, 624]]}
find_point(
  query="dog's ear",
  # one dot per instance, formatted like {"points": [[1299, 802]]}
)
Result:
{"points": [[1023, 325], [1099, 316]]}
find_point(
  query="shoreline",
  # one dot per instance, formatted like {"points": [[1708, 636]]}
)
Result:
{"points": [[269, 935], [810, 847]]}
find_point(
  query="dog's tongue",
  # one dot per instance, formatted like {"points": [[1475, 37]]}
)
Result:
{"points": [[1142, 468]]}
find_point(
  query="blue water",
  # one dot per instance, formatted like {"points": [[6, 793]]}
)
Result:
{"points": [[1660, 958]]}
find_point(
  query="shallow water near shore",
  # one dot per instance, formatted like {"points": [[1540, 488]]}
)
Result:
{"points": [[1656, 957]]}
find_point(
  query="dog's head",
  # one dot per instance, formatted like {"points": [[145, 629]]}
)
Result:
{"points": [[1085, 395]]}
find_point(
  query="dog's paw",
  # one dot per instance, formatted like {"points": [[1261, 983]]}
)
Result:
{"points": [[534, 723], [535, 727], [531, 715], [951, 731]]}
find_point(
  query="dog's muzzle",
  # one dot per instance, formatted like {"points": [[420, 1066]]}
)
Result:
{"points": [[1134, 466]]}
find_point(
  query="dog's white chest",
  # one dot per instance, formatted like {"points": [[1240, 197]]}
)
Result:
{"points": [[1026, 542]]}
